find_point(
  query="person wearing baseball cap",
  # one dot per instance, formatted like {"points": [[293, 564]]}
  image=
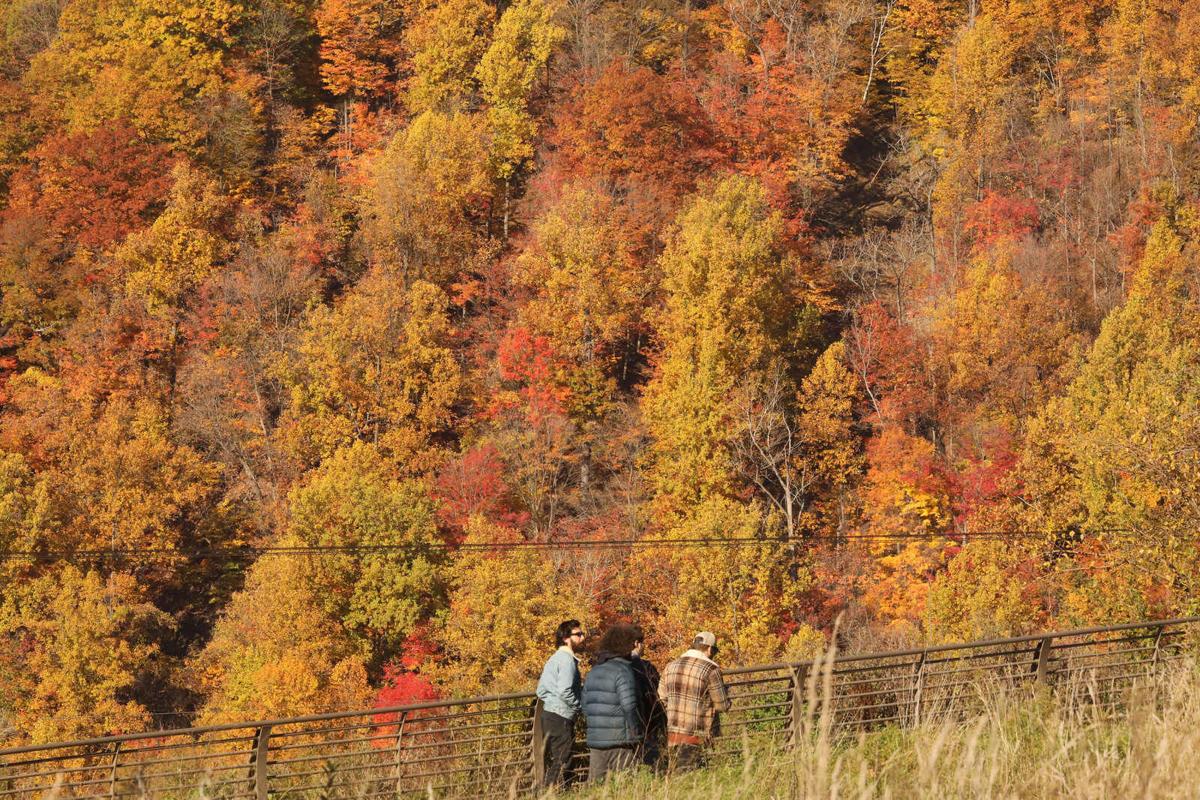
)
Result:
{"points": [[694, 694]]}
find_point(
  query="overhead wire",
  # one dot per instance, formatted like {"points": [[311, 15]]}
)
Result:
{"points": [[252, 552]]}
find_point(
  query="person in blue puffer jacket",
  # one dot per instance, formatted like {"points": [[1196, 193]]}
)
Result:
{"points": [[610, 705]]}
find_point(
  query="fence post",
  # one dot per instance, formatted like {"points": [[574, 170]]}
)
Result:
{"points": [[918, 687], [1157, 649], [538, 748], [799, 682], [112, 777], [258, 761], [399, 740], [1041, 669]]}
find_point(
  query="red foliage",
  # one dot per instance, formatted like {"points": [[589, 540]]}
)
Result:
{"points": [[474, 484], [400, 688], [404, 688], [779, 123], [528, 360], [637, 135], [93, 188], [885, 352], [978, 484], [418, 648], [999, 217], [640, 128], [1130, 238]]}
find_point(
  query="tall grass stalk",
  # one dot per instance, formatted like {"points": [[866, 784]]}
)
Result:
{"points": [[1015, 743]]}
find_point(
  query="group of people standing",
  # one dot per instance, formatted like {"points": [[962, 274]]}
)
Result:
{"points": [[631, 711]]}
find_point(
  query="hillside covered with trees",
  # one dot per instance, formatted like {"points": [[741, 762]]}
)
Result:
{"points": [[319, 318]]}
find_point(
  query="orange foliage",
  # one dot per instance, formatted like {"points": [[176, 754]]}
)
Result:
{"points": [[349, 273]]}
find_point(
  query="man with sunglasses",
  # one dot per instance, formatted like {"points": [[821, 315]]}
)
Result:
{"points": [[559, 689]]}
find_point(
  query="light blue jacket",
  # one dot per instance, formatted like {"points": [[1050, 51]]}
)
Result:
{"points": [[560, 686]]}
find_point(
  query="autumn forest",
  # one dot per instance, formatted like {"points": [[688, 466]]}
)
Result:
{"points": [[346, 346]]}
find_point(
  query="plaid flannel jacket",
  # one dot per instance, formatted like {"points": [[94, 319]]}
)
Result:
{"points": [[693, 691]]}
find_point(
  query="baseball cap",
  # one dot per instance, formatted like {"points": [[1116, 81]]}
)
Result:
{"points": [[705, 638]]}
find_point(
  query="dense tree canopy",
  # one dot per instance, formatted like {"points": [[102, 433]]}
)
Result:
{"points": [[900, 295]]}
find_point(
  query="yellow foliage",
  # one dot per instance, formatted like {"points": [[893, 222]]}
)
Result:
{"points": [[746, 600], [902, 493], [164, 264], [730, 309], [967, 110], [153, 62], [376, 367], [447, 42], [420, 207], [982, 595], [353, 499], [588, 292], [275, 652], [87, 643], [521, 45], [983, 374], [115, 478], [504, 606], [901, 583], [806, 643], [830, 450], [1119, 448]]}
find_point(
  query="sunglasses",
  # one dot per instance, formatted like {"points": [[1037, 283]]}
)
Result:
{"points": [[580, 634]]}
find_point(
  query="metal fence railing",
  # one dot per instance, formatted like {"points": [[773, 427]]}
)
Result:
{"points": [[489, 746]]}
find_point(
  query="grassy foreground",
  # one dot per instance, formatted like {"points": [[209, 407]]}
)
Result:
{"points": [[1028, 745]]}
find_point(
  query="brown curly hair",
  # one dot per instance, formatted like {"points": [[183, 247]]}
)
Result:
{"points": [[619, 640]]}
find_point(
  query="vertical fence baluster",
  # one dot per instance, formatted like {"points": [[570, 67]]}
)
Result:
{"points": [[112, 776], [918, 687], [1158, 632], [399, 744], [538, 747], [1050, 659], [258, 761], [799, 675], [1041, 671]]}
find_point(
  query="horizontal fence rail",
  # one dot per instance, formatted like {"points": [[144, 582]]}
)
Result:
{"points": [[492, 746]]}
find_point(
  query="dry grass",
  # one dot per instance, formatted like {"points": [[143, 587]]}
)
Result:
{"points": [[1024, 743], [1020, 745]]}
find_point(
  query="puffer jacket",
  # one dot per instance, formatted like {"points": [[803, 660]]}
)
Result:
{"points": [[610, 704]]}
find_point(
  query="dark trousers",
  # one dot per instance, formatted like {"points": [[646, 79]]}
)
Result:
{"points": [[560, 735], [602, 763], [654, 748], [685, 757]]}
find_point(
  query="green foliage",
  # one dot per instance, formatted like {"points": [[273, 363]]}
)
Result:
{"points": [[353, 500]]}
